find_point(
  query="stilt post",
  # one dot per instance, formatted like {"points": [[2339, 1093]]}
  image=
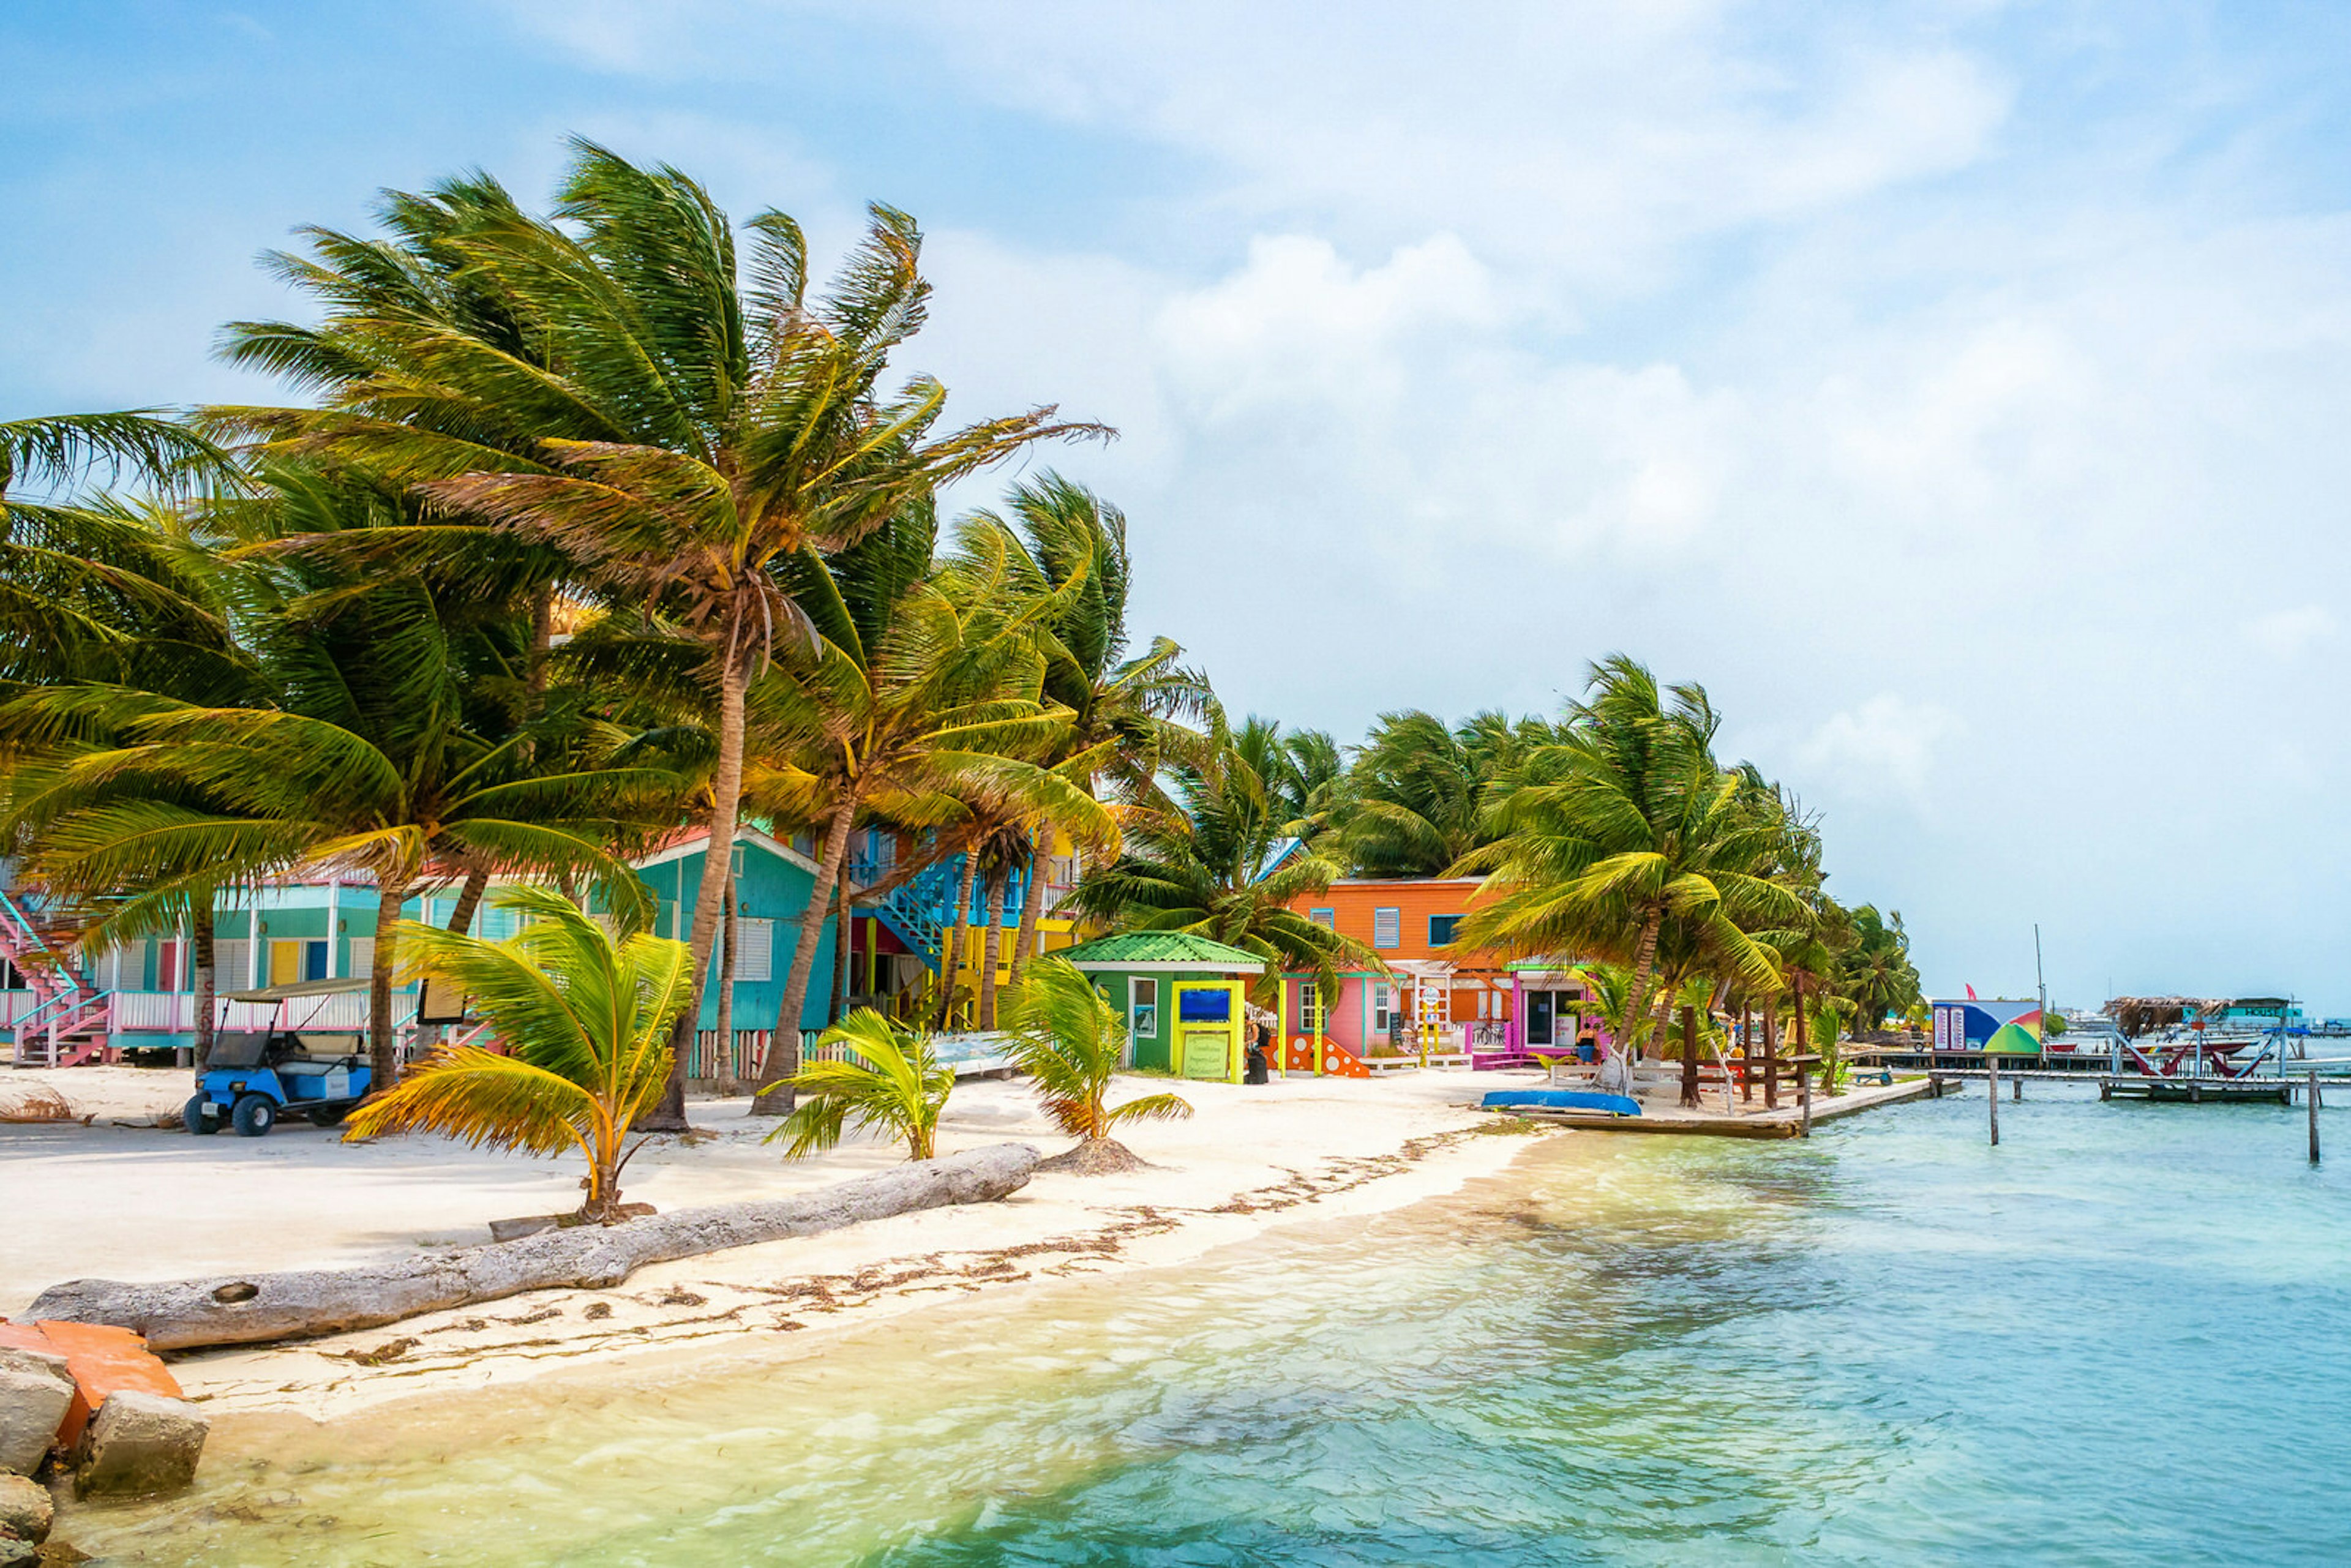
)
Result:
{"points": [[2313, 1115], [1992, 1063]]}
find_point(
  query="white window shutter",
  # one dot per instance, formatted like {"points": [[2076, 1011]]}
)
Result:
{"points": [[362, 955], [755, 949], [233, 965], [1387, 927]]}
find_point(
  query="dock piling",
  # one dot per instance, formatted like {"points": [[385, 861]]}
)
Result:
{"points": [[2016, 1088], [2313, 1115], [1805, 1100], [1993, 1064]]}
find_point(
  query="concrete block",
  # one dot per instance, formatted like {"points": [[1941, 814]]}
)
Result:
{"points": [[26, 1511], [36, 1392], [141, 1443]]}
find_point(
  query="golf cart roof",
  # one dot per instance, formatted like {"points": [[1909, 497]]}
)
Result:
{"points": [[303, 989]]}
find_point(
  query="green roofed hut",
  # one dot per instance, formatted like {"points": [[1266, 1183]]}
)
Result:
{"points": [[1185, 997]]}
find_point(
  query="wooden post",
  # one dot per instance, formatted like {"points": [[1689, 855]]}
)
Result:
{"points": [[1771, 1057], [1690, 1056], [2016, 1088], [1992, 1063], [2313, 1115], [1803, 1101]]}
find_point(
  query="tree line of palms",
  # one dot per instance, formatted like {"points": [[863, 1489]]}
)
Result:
{"points": [[326, 637], [593, 524]]}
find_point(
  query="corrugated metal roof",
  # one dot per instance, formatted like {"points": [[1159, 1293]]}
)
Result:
{"points": [[1160, 947]]}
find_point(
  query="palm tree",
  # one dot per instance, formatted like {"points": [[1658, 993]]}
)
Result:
{"points": [[365, 755], [1875, 975], [1416, 793], [1065, 546], [917, 704], [888, 1083], [1214, 865], [1634, 826], [676, 436], [584, 1018], [1068, 1036]]}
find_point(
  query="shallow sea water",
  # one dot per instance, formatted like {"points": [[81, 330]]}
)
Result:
{"points": [[2120, 1337]]}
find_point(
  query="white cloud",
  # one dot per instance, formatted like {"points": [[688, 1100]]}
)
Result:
{"points": [[1885, 744], [2289, 633]]}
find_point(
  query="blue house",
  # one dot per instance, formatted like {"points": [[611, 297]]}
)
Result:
{"points": [[60, 1005]]}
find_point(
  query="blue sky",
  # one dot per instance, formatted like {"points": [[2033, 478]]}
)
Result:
{"points": [[1956, 389]]}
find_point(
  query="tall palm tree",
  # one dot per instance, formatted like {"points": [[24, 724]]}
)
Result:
{"points": [[1875, 975], [1636, 827], [1064, 546], [916, 702], [1208, 867], [585, 1020], [363, 754], [1416, 795], [677, 433]]}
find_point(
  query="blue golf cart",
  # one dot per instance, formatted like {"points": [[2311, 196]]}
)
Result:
{"points": [[254, 1076]]}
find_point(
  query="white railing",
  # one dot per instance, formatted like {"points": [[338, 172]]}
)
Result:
{"points": [[159, 1012], [15, 1004]]}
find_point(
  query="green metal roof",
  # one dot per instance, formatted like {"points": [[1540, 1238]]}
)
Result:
{"points": [[1128, 948]]}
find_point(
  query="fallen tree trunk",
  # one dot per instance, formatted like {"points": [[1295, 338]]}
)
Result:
{"points": [[248, 1309]]}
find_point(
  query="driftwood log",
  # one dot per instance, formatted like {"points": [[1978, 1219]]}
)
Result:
{"points": [[248, 1308]]}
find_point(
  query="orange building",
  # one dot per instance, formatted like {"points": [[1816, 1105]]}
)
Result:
{"points": [[1409, 923], [1493, 1010]]}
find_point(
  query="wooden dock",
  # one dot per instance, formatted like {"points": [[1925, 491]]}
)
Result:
{"points": [[2200, 1090], [1787, 1122]]}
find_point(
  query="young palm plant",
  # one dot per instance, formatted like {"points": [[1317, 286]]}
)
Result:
{"points": [[585, 1019], [1068, 1036], [889, 1082]]}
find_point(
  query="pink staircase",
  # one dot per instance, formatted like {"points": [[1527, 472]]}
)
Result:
{"points": [[68, 1022]]}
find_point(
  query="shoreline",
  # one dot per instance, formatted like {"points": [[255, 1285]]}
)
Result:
{"points": [[1307, 1149]]}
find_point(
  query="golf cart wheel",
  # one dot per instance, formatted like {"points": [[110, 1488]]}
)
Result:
{"points": [[331, 1117], [193, 1113], [255, 1115]]}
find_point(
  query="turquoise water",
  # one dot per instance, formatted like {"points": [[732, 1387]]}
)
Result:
{"points": [[2120, 1337]]}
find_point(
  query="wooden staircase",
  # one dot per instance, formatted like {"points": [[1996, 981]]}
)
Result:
{"points": [[69, 1022]]}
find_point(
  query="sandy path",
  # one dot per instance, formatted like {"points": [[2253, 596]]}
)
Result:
{"points": [[127, 1202]]}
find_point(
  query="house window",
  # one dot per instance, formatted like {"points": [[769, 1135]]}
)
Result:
{"points": [[1440, 929], [754, 946], [1383, 1007], [1387, 927], [1326, 918], [1311, 1019], [1143, 1009]]}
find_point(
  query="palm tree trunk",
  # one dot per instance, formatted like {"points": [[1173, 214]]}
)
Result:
{"points": [[1644, 960], [990, 944], [717, 860], [383, 1059], [726, 1047], [840, 926], [1032, 910], [200, 959], [952, 960], [470, 899], [784, 1048]]}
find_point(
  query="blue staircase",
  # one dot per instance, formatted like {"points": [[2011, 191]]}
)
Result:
{"points": [[921, 911]]}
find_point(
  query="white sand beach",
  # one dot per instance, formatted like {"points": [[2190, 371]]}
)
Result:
{"points": [[121, 1199]]}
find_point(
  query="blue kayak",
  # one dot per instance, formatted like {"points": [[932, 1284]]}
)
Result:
{"points": [[1561, 1100]]}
